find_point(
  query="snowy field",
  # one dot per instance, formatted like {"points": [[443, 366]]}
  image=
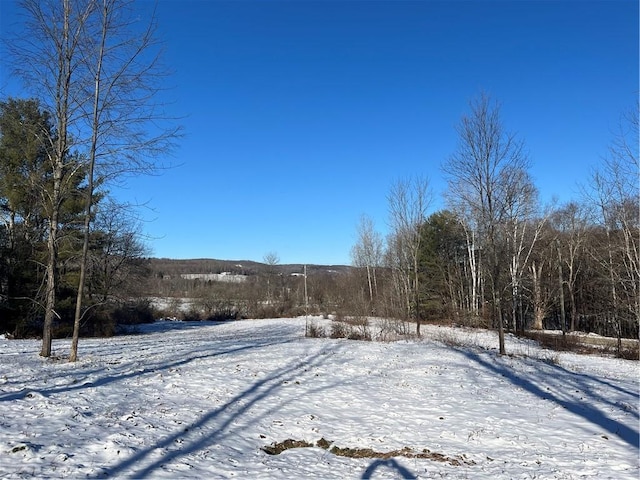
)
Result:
{"points": [[205, 400]]}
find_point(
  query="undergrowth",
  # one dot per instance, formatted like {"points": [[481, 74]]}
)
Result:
{"points": [[574, 344], [351, 328]]}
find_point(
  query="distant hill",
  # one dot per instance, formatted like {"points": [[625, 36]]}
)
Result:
{"points": [[175, 267]]}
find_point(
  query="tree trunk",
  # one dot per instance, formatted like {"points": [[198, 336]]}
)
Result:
{"points": [[95, 124], [614, 294], [498, 315], [63, 86], [538, 307], [495, 290], [416, 292], [561, 289], [574, 310], [473, 270], [52, 263]]}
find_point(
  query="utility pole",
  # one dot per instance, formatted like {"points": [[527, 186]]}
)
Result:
{"points": [[306, 296]]}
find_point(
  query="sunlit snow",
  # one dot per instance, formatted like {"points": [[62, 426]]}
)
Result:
{"points": [[201, 400]]}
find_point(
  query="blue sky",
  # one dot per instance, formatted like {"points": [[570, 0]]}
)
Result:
{"points": [[299, 115]]}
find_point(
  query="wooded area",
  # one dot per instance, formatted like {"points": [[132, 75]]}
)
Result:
{"points": [[499, 258]]}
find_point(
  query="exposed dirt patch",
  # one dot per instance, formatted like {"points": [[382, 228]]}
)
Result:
{"points": [[279, 447]]}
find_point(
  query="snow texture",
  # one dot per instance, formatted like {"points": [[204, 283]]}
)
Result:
{"points": [[201, 400]]}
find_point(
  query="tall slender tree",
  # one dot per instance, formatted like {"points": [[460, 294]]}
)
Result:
{"points": [[124, 65], [367, 253], [409, 201], [481, 175], [570, 222]]}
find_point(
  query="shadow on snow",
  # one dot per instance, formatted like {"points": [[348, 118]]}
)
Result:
{"points": [[583, 409], [191, 438]]}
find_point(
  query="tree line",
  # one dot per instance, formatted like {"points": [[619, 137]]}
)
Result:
{"points": [[70, 253], [495, 256]]}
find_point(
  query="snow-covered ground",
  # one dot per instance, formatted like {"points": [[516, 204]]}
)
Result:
{"points": [[201, 400]]}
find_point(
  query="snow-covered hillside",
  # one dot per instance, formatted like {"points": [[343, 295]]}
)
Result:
{"points": [[203, 400]]}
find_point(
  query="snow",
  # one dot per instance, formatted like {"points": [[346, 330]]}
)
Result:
{"points": [[200, 400]]}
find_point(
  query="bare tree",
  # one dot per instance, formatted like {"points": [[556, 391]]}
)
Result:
{"points": [[128, 130], [571, 224], [271, 259], [409, 201], [481, 175], [540, 303], [522, 232], [614, 192], [115, 254], [473, 268], [622, 167], [367, 254]]}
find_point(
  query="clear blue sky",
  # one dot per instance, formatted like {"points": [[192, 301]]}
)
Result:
{"points": [[300, 115]]}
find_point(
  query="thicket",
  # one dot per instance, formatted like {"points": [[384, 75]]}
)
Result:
{"points": [[115, 255]]}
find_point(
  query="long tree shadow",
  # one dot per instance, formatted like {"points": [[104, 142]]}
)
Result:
{"points": [[582, 409], [244, 401], [585, 384], [196, 354]]}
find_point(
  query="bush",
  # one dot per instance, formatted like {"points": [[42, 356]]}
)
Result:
{"points": [[359, 334], [172, 310], [106, 319], [338, 330], [313, 330], [352, 328], [276, 310], [134, 314], [191, 315], [630, 353], [223, 314]]}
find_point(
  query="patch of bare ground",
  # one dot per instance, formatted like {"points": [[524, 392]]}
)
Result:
{"points": [[278, 447]]}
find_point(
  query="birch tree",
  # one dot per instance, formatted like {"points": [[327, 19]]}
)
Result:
{"points": [[522, 232], [409, 201], [367, 253], [571, 225]]}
